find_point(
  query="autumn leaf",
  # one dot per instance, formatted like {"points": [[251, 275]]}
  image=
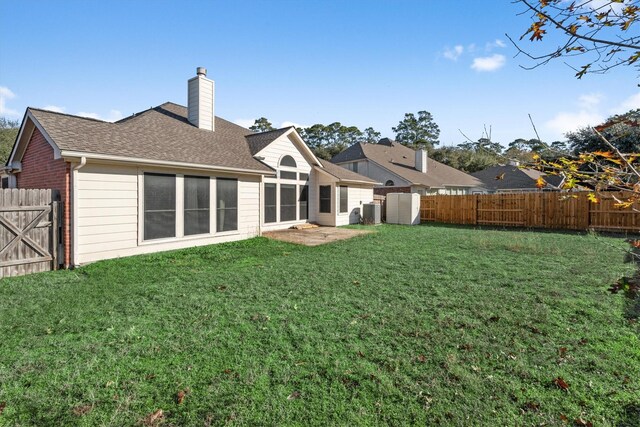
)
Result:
{"points": [[562, 351], [561, 384], [605, 154], [564, 418], [541, 183], [581, 422], [2, 406], [81, 410], [181, 395], [592, 198], [499, 177], [422, 358], [153, 418], [294, 395]]}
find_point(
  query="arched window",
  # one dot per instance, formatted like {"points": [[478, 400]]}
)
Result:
{"points": [[288, 161], [389, 183]]}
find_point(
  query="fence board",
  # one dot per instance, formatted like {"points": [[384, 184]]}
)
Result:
{"points": [[29, 227], [551, 210]]}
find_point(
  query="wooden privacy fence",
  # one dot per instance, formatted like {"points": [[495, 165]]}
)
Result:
{"points": [[570, 211], [29, 231]]}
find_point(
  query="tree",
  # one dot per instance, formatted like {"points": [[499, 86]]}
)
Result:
{"points": [[261, 125], [464, 159], [417, 132], [327, 141], [370, 136], [483, 145], [8, 133], [622, 131], [600, 33]]}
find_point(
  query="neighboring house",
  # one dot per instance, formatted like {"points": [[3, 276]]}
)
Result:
{"points": [[172, 177], [512, 178], [401, 169]]}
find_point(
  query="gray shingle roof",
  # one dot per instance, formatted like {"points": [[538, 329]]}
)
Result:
{"points": [[514, 178], [401, 160], [259, 141], [162, 133], [344, 174]]}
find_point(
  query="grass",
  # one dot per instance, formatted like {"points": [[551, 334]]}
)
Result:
{"points": [[410, 325]]}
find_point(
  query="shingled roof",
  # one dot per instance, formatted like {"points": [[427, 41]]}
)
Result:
{"points": [[515, 178], [162, 133], [401, 161], [343, 174]]}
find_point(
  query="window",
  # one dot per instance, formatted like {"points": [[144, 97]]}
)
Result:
{"points": [[288, 175], [159, 206], [288, 161], [344, 199], [325, 199], [5, 182], [196, 205], [287, 202], [389, 183], [304, 201], [227, 204], [270, 203], [304, 176]]}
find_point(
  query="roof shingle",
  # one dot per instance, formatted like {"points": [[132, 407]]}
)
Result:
{"points": [[162, 133]]}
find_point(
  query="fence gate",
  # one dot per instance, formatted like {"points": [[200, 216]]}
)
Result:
{"points": [[29, 231]]}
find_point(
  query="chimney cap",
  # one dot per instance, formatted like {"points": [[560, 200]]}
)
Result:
{"points": [[201, 71]]}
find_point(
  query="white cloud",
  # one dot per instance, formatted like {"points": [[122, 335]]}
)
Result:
{"points": [[453, 53], [568, 122], [630, 103], [287, 124], [113, 116], [5, 95], [88, 115], [497, 43], [54, 108], [245, 123], [589, 101], [489, 63]]}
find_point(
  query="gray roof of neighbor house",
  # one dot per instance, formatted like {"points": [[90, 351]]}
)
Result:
{"points": [[345, 174], [162, 133], [514, 178], [401, 161]]}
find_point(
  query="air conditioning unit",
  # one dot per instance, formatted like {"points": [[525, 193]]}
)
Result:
{"points": [[371, 213]]}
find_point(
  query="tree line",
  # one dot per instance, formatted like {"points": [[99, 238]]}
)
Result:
{"points": [[421, 131]]}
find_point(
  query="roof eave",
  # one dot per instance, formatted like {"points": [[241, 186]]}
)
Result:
{"points": [[73, 155]]}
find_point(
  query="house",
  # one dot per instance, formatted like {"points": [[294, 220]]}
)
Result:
{"points": [[512, 178], [402, 169], [171, 177]]}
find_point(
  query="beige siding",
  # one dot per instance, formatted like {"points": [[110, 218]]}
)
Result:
{"points": [[281, 147], [201, 102], [382, 175], [108, 214], [357, 196]]}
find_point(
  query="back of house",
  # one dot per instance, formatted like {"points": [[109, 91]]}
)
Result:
{"points": [[172, 176]]}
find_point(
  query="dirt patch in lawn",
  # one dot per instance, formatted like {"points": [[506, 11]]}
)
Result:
{"points": [[314, 236]]}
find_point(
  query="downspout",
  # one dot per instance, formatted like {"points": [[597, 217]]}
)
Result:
{"points": [[74, 209]]}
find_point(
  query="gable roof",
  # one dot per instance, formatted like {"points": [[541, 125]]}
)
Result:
{"points": [[515, 178], [161, 134], [259, 141], [401, 161], [345, 175]]}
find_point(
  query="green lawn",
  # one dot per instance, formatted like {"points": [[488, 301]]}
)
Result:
{"points": [[410, 325]]}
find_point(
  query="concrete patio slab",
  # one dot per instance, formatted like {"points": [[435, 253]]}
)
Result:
{"points": [[315, 236]]}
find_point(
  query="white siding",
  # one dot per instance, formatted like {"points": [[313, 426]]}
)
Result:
{"points": [[281, 147], [328, 219], [200, 105], [357, 196], [272, 154], [109, 214]]}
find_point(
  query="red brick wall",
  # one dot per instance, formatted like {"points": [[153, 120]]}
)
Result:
{"points": [[382, 191], [41, 170]]}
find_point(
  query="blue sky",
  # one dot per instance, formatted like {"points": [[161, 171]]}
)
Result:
{"points": [[363, 63]]}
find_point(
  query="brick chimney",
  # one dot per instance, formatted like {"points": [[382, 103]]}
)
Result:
{"points": [[421, 160], [200, 100]]}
